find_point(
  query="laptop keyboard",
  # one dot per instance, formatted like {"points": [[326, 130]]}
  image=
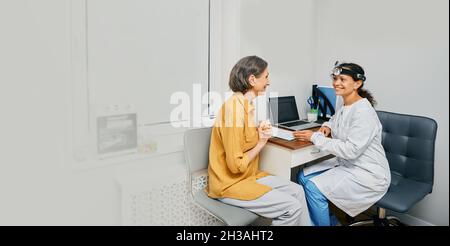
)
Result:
{"points": [[295, 123]]}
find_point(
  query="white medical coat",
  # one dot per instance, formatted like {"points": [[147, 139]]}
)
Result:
{"points": [[359, 175]]}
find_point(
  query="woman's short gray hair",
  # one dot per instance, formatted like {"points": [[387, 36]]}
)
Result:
{"points": [[244, 68]]}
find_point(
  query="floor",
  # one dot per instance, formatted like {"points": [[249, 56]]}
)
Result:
{"points": [[343, 218], [346, 220]]}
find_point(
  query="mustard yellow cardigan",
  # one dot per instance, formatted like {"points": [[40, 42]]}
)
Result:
{"points": [[231, 173]]}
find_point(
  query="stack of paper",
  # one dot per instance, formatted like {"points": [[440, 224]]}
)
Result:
{"points": [[283, 134]]}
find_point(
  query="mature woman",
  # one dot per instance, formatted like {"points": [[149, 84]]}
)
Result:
{"points": [[234, 175], [359, 175]]}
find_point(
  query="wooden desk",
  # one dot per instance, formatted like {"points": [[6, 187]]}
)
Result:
{"points": [[279, 156]]}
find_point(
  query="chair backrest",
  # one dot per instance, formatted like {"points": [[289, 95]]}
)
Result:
{"points": [[409, 143], [196, 148]]}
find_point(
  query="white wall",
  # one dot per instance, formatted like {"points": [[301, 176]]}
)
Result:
{"points": [[403, 46], [281, 32], [224, 53], [39, 185], [36, 184]]}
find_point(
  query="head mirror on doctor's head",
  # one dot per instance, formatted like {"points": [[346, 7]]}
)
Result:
{"points": [[336, 71], [341, 68]]}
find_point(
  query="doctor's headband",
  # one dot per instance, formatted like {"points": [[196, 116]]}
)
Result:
{"points": [[340, 69]]}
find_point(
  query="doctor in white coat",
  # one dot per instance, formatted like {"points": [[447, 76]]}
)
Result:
{"points": [[359, 174]]}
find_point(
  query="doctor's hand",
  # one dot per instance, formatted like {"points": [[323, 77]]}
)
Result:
{"points": [[303, 135], [325, 130]]}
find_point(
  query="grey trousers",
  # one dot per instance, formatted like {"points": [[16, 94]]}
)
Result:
{"points": [[285, 204]]}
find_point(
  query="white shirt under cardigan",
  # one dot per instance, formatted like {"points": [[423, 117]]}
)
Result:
{"points": [[359, 175]]}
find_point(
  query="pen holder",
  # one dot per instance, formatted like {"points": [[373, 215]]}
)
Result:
{"points": [[312, 115]]}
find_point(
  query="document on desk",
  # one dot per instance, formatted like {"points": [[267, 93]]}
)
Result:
{"points": [[283, 134], [322, 166]]}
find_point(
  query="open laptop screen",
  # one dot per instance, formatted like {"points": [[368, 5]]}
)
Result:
{"points": [[283, 109]]}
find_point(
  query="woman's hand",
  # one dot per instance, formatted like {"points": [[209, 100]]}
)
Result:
{"points": [[325, 130], [304, 135], [264, 131]]}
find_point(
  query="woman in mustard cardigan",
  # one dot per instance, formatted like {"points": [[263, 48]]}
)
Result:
{"points": [[234, 175]]}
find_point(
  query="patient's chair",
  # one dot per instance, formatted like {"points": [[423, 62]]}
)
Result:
{"points": [[409, 144], [196, 149]]}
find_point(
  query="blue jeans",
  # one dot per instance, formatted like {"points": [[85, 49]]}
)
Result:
{"points": [[317, 202]]}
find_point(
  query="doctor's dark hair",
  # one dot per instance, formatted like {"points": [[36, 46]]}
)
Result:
{"points": [[242, 70], [361, 92]]}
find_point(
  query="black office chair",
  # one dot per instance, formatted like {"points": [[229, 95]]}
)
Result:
{"points": [[409, 144]]}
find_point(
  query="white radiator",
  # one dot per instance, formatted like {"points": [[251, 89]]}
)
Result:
{"points": [[166, 204]]}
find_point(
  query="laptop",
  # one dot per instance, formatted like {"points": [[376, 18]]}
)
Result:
{"points": [[284, 114]]}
